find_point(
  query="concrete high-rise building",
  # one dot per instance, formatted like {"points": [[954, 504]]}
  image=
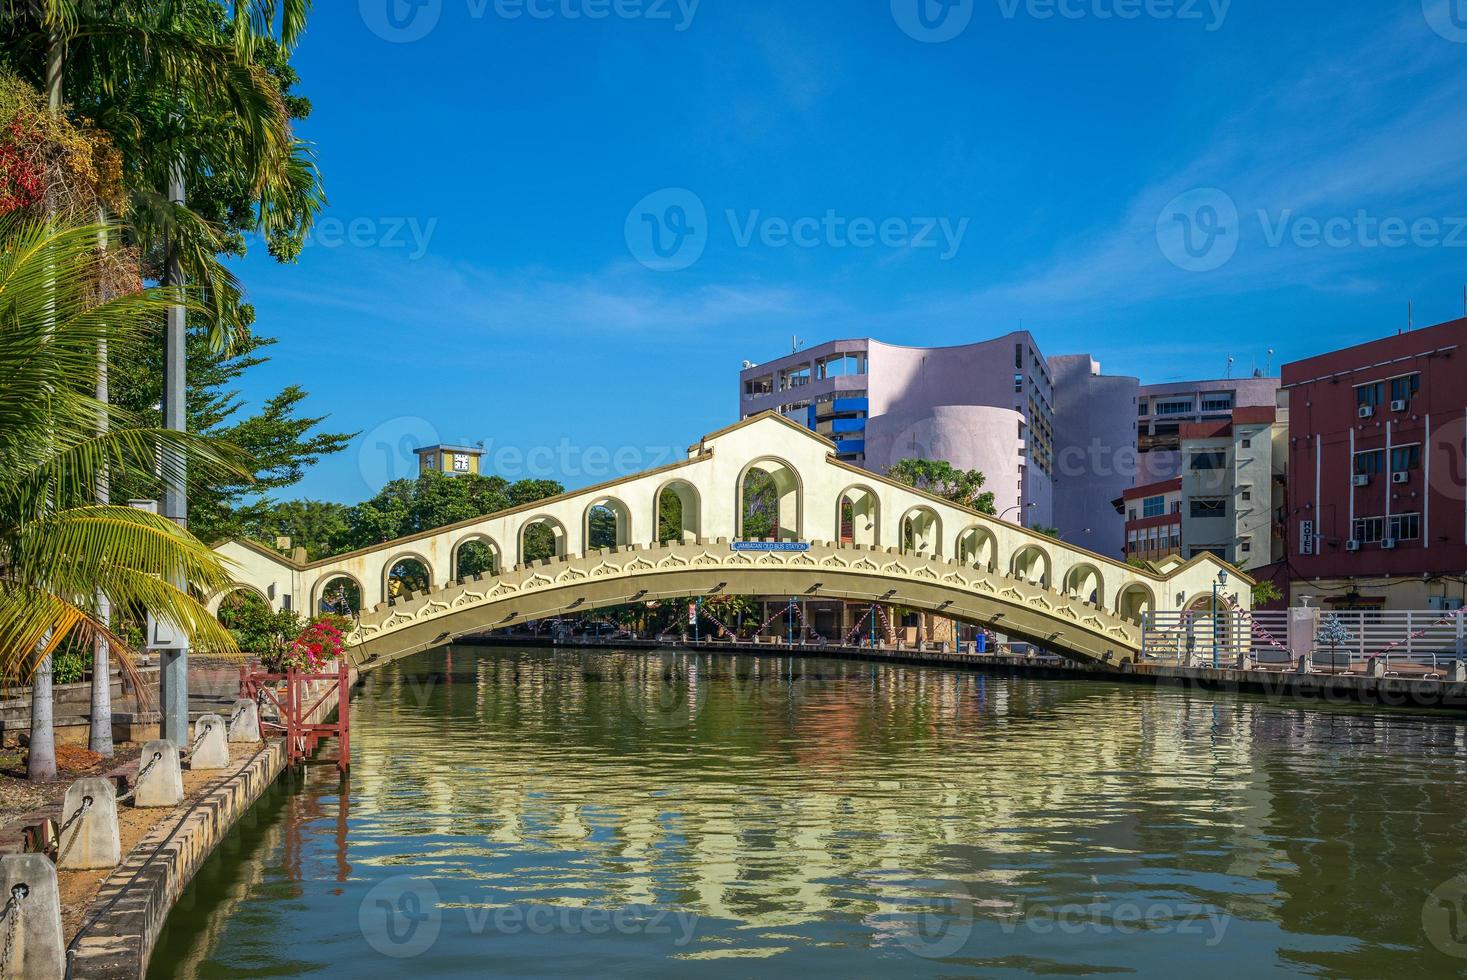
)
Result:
{"points": [[1162, 410], [1095, 450], [987, 406]]}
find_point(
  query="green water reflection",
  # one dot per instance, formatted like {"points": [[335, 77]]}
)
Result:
{"points": [[556, 813]]}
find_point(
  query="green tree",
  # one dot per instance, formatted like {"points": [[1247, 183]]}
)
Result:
{"points": [[60, 548], [941, 478], [281, 439], [318, 526], [1047, 530], [434, 500], [1265, 592], [760, 505]]}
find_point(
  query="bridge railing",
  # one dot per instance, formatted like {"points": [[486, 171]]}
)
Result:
{"points": [[1408, 641]]}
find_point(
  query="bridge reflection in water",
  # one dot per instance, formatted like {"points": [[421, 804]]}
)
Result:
{"points": [[813, 813]]}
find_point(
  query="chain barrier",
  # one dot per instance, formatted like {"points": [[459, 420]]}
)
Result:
{"points": [[1253, 624], [65, 847], [142, 774], [11, 915], [200, 740]]}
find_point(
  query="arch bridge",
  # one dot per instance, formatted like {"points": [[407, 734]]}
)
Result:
{"points": [[832, 530]]}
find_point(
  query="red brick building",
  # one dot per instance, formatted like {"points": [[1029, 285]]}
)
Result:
{"points": [[1377, 511]]}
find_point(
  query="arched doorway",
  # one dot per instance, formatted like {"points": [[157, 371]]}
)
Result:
{"points": [[678, 516], [922, 532], [476, 555], [608, 524], [1134, 602], [976, 546], [770, 503], [1084, 582], [405, 576], [541, 538], [339, 595], [858, 517], [1031, 564]]}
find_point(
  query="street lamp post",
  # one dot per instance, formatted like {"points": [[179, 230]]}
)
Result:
{"points": [[1019, 507], [1222, 581]]}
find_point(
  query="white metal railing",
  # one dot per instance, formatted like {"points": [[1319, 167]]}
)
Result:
{"points": [[1414, 641]]}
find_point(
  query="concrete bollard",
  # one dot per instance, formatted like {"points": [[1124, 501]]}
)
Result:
{"points": [[90, 839], [33, 949], [210, 747], [1457, 673], [244, 721], [160, 777], [1375, 668], [1306, 665]]}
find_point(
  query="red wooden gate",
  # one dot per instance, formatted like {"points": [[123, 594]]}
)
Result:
{"points": [[300, 713]]}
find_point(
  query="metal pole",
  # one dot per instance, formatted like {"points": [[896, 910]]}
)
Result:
{"points": [[1215, 614], [698, 622], [173, 663]]}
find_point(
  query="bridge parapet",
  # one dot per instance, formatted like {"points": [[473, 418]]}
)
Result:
{"points": [[944, 587]]}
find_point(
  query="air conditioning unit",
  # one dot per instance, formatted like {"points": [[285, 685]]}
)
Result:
{"points": [[1402, 477], [1388, 544], [1362, 479], [1399, 405], [1367, 411], [1441, 603], [1352, 545]]}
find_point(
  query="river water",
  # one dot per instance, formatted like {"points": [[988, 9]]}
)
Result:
{"points": [[553, 813]]}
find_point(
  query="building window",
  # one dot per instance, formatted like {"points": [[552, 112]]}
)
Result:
{"points": [[1368, 395], [1370, 463], [1153, 506], [1404, 389], [1369, 530], [1018, 382], [1141, 408], [840, 366], [1247, 547], [1217, 403], [1209, 461], [1174, 408], [760, 386], [796, 377], [1405, 458], [1209, 508], [1405, 527], [1247, 494]]}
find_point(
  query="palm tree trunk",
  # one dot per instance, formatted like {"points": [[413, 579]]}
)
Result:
{"points": [[101, 716], [41, 762]]}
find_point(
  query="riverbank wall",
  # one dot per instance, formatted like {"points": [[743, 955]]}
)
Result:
{"points": [[1318, 687], [122, 922]]}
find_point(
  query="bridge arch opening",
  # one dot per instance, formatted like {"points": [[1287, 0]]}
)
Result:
{"points": [[339, 595], [541, 538], [858, 516], [241, 603], [1135, 601], [978, 547], [608, 524], [1031, 564], [1084, 582], [1209, 626], [770, 502], [678, 513], [922, 532], [406, 575], [477, 554]]}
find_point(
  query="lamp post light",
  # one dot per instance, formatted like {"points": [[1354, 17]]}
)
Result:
{"points": [[1221, 583], [1018, 507]]}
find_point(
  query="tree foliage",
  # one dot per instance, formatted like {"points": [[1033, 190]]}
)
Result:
{"points": [[941, 478]]}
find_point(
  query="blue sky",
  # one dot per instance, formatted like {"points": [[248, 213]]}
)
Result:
{"points": [[1164, 189]]}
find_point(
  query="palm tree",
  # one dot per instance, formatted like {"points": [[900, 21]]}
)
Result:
{"points": [[178, 87], [59, 546]]}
